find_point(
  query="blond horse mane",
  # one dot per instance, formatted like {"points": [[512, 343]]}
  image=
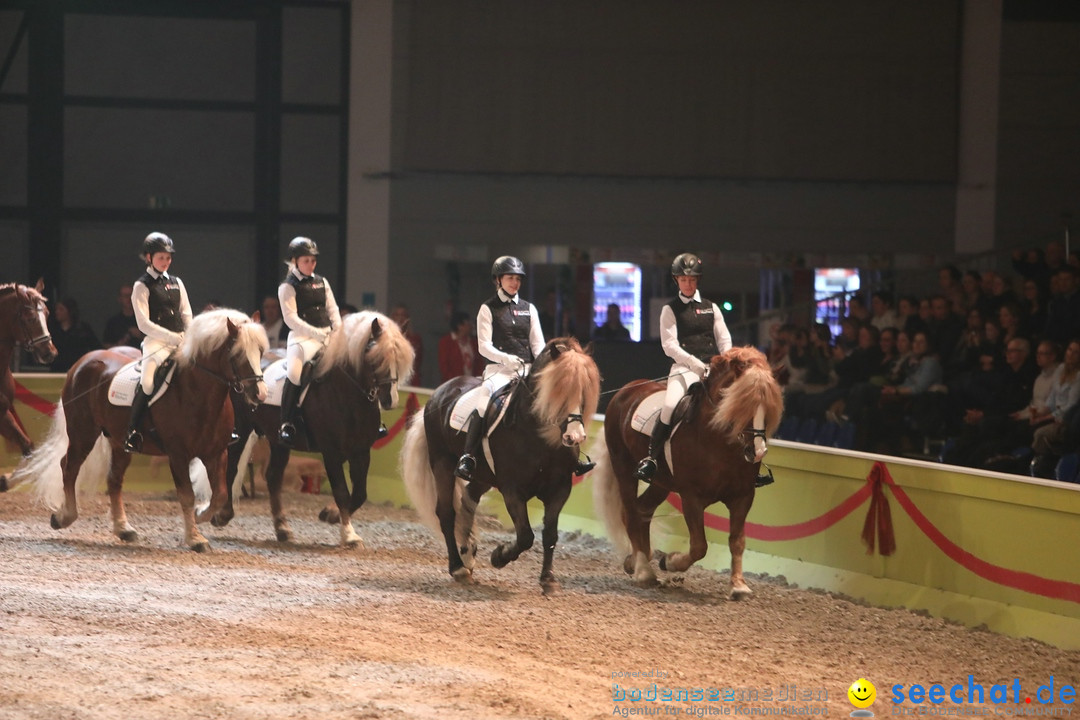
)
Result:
{"points": [[568, 382], [209, 330], [736, 401], [392, 355]]}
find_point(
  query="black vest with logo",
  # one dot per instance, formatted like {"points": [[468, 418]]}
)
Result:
{"points": [[694, 323], [310, 299], [510, 326], [164, 301]]}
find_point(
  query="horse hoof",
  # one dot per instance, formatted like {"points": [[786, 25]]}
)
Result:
{"points": [[201, 547], [661, 559], [56, 524], [628, 565], [332, 517], [356, 543], [646, 580], [128, 536], [285, 536], [3, 483], [550, 587], [741, 593], [498, 560], [463, 576], [220, 520]]}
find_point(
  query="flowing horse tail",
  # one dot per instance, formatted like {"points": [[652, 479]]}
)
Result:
{"points": [[42, 468], [415, 470], [606, 499]]}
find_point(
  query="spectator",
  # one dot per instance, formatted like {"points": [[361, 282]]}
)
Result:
{"points": [[400, 315], [612, 329], [270, 317], [1063, 311], [857, 309], [1064, 392], [72, 337], [121, 329], [950, 287], [881, 303], [1033, 305], [944, 327], [972, 284], [908, 316], [458, 352]]}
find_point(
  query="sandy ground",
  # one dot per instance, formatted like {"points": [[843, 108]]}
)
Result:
{"points": [[94, 628]]}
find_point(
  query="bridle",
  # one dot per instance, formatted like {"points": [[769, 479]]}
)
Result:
{"points": [[371, 394], [237, 383], [25, 309]]}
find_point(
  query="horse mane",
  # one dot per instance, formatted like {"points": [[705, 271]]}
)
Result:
{"points": [[16, 287], [392, 354], [562, 384], [741, 380], [209, 330]]}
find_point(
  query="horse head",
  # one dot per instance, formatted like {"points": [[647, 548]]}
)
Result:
{"points": [[566, 386], [378, 356], [249, 342], [746, 398], [229, 346], [31, 325]]}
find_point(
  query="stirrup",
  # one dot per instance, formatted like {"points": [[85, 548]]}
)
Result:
{"points": [[133, 442], [381, 432], [645, 469], [287, 434], [583, 467], [765, 478], [465, 467]]}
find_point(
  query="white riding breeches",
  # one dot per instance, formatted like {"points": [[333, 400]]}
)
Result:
{"points": [[495, 378], [154, 353], [680, 378], [300, 350]]}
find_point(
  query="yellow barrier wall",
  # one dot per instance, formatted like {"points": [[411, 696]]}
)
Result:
{"points": [[983, 549]]}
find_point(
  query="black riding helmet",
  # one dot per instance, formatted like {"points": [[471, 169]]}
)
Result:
{"points": [[507, 265], [301, 246], [157, 242], [686, 264]]}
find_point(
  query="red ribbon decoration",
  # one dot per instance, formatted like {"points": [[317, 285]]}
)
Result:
{"points": [[878, 517]]}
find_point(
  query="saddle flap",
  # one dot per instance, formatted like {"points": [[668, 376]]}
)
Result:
{"points": [[471, 401], [274, 376], [647, 413], [122, 388]]}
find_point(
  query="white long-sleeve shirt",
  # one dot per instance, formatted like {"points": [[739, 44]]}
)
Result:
{"points": [[669, 335], [140, 302], [483, 332], [287, 298]]}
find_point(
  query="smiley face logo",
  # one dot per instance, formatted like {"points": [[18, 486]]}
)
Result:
{"points": [[862, 693]]}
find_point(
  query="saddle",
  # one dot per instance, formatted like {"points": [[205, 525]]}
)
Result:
{"points": [[122, 388], [274, 376], [647, 413], [496, 409]]}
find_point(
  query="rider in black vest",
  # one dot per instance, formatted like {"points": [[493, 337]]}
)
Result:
{"points": [[692, 330], [309, 309], [509, 337], [162, 312]]}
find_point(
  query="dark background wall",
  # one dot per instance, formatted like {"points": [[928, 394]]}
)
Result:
{"points": [[762, 134]]}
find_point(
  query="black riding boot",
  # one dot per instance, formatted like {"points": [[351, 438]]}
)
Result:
{"points": [[647, 467], [290, 396], [133, 441], [473, 435]]}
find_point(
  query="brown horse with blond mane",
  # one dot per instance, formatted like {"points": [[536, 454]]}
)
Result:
{"points": [[716, 454]]}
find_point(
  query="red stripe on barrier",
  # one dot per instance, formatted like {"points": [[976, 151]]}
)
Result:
{"points": [[1034, 584], [412, 405], [33, 401]]}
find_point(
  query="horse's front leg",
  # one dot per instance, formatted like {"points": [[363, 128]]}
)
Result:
{"points": [[553, 505], [507, 552], [117, 467], [445, 484], [181, 472], [737, 511], [335, 471], [275, 471], [219, 488], [694, 515], [10, 428], [466, 519], [232, 468]]}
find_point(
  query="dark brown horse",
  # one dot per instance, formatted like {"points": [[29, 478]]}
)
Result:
{"points": [[192, 419], [358, 372], [22, 322], [534, 450], [716, 453]]}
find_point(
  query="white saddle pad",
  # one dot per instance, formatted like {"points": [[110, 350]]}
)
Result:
{"points": [[647, 413], [274, 376], [127, 378]]}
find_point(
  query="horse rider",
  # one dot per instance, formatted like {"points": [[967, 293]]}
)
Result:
{"points": [[311, 313], [692, 330], [509, 337], [162, 313]]}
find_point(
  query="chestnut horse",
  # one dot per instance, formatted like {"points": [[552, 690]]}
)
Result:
{"points": [[715, 456], [355, 375], [534, 450], [22, 322], [220, 352]]}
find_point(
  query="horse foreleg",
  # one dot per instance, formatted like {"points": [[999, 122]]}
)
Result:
{"points": [[553, 505], [232, 467], [694, 515], [638, 528], [338, 485], [466, 519], [10, 428], [275, 470], [738, 511], [506, 553], [181, 473], [117, 467]]}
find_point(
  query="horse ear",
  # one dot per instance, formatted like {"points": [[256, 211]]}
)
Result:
{"points": [[376, 328], [557, 349], [40, 286], [234, 330]]}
